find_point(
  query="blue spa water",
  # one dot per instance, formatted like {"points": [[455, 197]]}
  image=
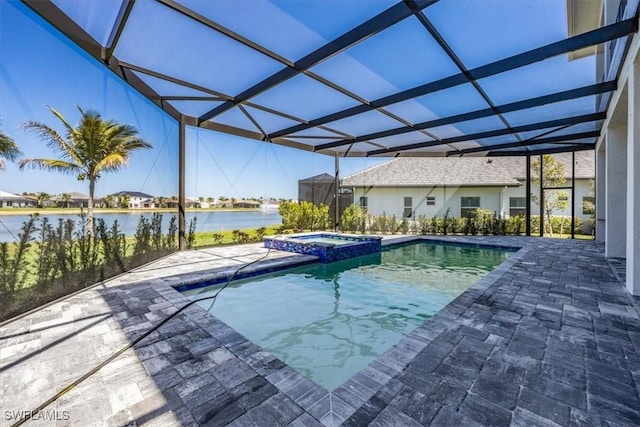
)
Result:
{"points": [[328, 321]]}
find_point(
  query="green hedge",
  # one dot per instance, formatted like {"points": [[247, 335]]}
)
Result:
{"points": [[484, 222], [50, 260]]}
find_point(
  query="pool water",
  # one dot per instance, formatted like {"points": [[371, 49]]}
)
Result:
{"points": [[328, 321]]}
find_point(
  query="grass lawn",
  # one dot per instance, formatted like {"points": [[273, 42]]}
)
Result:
{"points": [[205, 238]]}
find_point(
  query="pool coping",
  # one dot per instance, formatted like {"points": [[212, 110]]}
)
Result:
{"points": [[335, 406]]}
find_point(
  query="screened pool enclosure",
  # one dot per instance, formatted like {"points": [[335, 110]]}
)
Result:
{"points": [[366, 78]]}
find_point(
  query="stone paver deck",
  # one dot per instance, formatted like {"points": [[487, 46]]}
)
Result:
{"points": [[550, 337]]}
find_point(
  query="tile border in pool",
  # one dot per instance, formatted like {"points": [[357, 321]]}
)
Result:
{"points": [[333, 407]]}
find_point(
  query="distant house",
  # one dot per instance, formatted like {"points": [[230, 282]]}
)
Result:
{"points": [[247, 204], [9, 200], [223, 203], [76, 200], [188, 203], [411, 187], [137, 200]]}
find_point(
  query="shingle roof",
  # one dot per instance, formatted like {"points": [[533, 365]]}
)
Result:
{"points": [[132, 194], [323, 177], [74, 195], [4, 194], [430, 171], [10, 197], [459, 171], [585, 164]]}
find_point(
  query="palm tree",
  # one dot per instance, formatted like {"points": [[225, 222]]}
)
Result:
{"points": [[8, 149], [64, 199], [109, 201], [159, 202], [94, 146], [42, 197], [124, 200]]}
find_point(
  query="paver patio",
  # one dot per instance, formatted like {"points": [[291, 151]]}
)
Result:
{"points": [[550, 337]]}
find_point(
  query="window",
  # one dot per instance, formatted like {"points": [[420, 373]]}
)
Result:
{"points": [[588, 205], [9, 204], [468, 206], [408, 207], [517, 206], [431, 201], [364, 203]]}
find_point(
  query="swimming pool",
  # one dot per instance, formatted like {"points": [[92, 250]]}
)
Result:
{"points": [[328, 321]]}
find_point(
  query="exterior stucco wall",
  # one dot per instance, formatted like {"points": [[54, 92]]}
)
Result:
{"points": [[390, 200], [15, 204]]}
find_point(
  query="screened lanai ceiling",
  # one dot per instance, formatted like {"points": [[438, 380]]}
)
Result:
{"points": [[368, 78]]}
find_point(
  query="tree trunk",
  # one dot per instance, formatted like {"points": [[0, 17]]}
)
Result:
{"points": [[92, 184]]}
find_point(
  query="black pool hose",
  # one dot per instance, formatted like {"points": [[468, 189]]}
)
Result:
{"points": [[30, 414]]}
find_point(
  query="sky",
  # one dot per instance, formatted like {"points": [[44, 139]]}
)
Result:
{"points": [[40, 68]]}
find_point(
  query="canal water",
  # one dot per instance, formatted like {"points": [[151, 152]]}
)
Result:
{"points": [[207, 221]]}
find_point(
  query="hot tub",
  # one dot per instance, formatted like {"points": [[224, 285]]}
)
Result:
{"points": [[328, 247]]}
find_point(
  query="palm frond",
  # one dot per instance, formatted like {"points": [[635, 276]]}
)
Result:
{"points": [[135, 144], [50, 164], [60, 117], [120, 132], [8, 149], [53, 139], [112, 162]]}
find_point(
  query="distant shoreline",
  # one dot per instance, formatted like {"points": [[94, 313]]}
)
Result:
{"points": [[76, 211]]}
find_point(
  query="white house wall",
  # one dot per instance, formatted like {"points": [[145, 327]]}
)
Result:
{"points": [[618, 151], [14, 204], [390, 200]]}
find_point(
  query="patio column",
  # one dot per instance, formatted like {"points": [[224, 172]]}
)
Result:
{"points": [[541, 198], [616, 206], [337, 193], [633, 181], [528, 200], [601, 193], [573, 194], [182, 239]]}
